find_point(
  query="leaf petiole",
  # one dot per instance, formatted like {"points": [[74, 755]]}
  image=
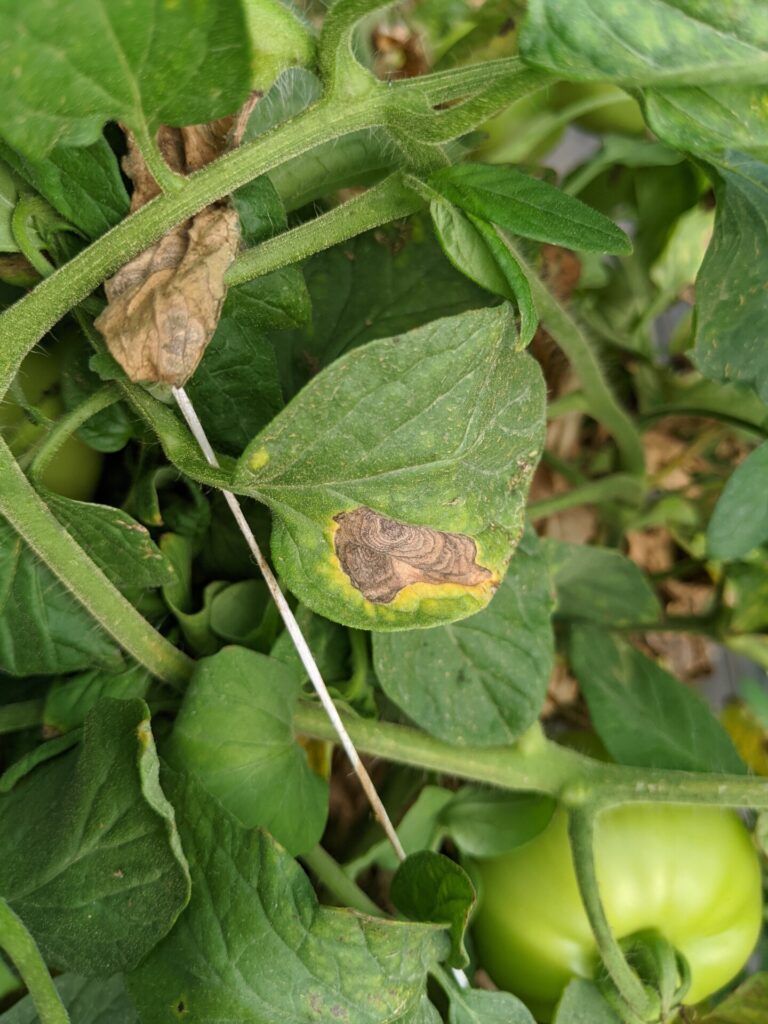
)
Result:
{"points": [[69, 423], [23, 951], [581, 821]]}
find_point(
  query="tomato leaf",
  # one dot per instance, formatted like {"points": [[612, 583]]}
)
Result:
{"points": [[142, 62], [328, 642], [89, 855], [474, 248], [732, 314], [429, 887], [420, 829], [744, 1006], [255, 946], [600, 585], [423, 1013], [119, 545], [83, 184], [489, 822], [425, 442], [69, 700], [672, 42], [719, 120], [10, 187], [43, 629], [238, 372], [235, 734], [481, 681], [280, 36], [243, 614], [582, 1003], [376, 285], [703, 68], [739, 522], [528, 207], [474, 1006], [643, 715], [112, 428], [88, 1001]]}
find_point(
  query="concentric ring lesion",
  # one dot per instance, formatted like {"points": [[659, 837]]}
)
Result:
{"points": [[381, 556]]}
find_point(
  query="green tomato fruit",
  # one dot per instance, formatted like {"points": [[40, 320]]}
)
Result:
{"points": [[690, 873], [75, 468], [624, 115]]}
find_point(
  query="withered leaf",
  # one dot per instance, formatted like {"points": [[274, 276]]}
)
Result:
{"points": [[381, 556], [164, 305]]}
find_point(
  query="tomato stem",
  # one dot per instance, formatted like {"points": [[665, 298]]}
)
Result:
{"points": [[26, 511], [334, 878], [543, 768], [23, 951], [581, 822], [385, 202], [69, 423], [578, 347]]}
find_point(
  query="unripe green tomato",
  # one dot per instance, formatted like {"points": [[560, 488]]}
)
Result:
{"points": [[690, 873], [75, 468], [624, 116]]}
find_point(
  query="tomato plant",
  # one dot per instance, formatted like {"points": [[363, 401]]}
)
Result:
{"points": [[420, 445], [691, 874]]}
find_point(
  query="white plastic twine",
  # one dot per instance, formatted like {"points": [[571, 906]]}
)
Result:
{"points": [[302, 648]]}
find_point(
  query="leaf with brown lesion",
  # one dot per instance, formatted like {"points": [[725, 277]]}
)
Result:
{"points": [[381, 556], [164, 305]]}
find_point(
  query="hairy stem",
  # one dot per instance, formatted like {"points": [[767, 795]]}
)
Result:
{"points": [[442, 86], [603, 404], [23, 951], [441, 126], [166, 179], [333, 877], [26, 322], [69, 423], [37, 526], [385, 202], [629, 986], [541, 766], [25, 209]]}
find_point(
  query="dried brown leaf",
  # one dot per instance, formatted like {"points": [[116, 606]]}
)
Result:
{"points": [[165, 304]]}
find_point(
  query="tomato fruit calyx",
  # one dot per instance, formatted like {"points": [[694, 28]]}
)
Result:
{"points": [[663, 970]]}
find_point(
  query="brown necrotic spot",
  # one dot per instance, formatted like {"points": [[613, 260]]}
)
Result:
{"points": [[381, 556]]}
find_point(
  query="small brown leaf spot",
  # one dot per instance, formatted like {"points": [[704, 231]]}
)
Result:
{"points": [[119, 873], [180, 1009], [381, 556]]}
